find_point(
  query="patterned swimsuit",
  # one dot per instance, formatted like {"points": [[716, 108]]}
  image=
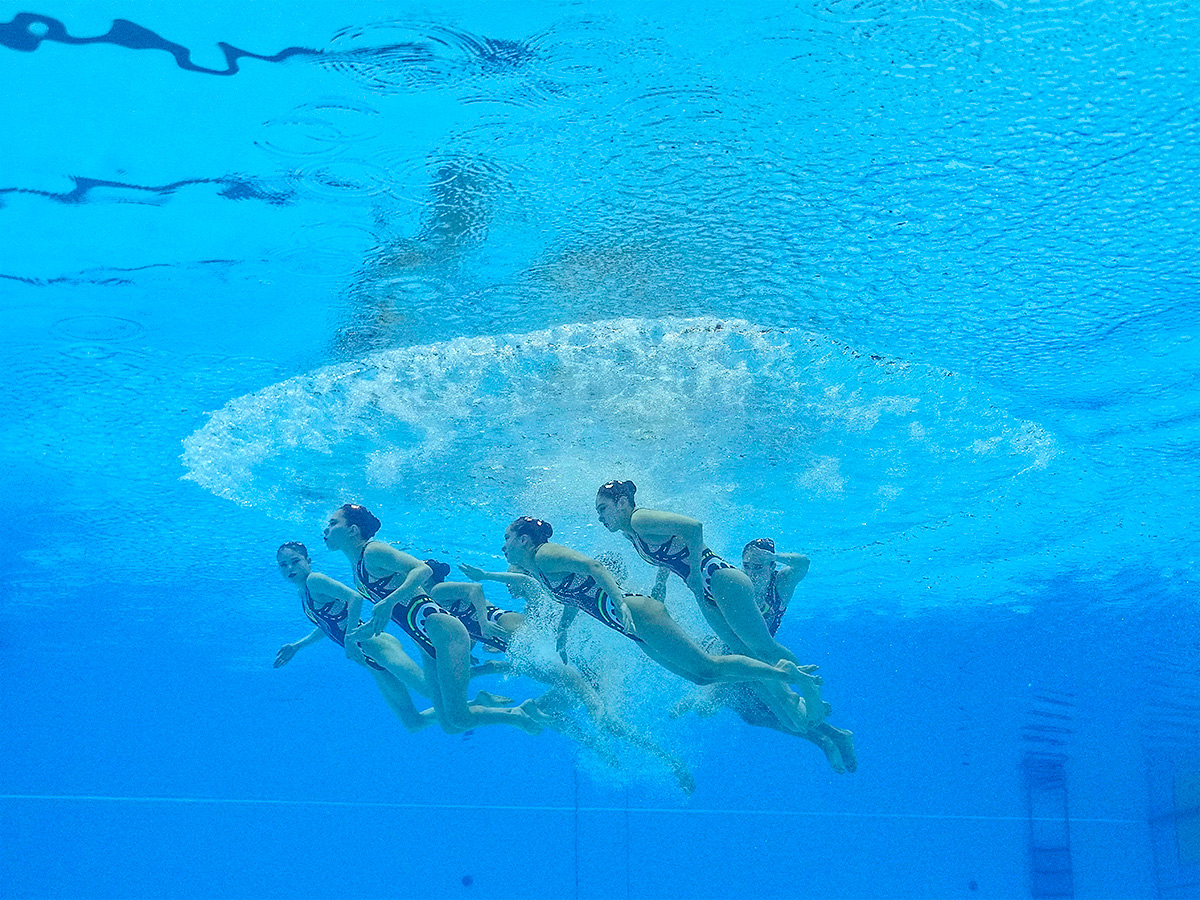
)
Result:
{"points": [[410, 616], [673, 555], [585, 594], [331, 619]]}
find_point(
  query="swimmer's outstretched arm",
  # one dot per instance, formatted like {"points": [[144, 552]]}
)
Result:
{"points": [[518, 580], [384, 558], [287, 651]]}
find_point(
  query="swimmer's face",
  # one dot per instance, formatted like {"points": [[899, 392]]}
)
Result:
{"points": [[613, 514], [293, 566], [757, 565], [337, 531], [513, 546]]}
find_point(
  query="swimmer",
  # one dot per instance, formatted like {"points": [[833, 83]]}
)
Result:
{"points": [[394, 582], [581, 582], [327, 604], [773, 591], [569, 683], [723, 592]]}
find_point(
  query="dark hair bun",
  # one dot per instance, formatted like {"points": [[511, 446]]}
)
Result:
{"points": [[615, 490], [363, 518], [440, 570], [537, 530]]}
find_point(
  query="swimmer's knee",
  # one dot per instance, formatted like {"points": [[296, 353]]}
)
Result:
{"points": [[443, 627], [706, 673]]}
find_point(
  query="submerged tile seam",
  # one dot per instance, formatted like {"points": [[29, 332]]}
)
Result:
{"points": [[225, 801]]}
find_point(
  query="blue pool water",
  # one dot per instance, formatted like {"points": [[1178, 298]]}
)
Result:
{"points": [[911, 289]]}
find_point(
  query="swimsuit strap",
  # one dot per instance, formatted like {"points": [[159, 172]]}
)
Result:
{"points": [[332, 623], [371, 588]]}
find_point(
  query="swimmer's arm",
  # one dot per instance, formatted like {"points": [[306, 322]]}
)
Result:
{"points": [[287, 651], [321, 585], [515, 579], [795, 567], [560, 641], [654, 523], [384, 558], [659, 591]]}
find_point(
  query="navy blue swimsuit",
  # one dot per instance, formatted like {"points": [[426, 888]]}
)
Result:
{"points": [[585, 594], [673, 555], [772, 607], [409, 616], [331, 619]]}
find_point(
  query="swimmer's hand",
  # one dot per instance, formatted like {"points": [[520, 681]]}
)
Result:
{"points": [[627, 619], [285, 654], [353, 650], [375, 625], [473, 572], [493, 630]]}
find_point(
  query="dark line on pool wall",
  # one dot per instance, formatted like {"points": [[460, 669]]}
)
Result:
{"points": [[233, 187], [19, 35]]}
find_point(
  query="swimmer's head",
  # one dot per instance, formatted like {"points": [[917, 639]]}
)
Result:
{"points": [[294, 564], [440, 571], [615, 504], [523, 537], [350, 525], [758, 558]]}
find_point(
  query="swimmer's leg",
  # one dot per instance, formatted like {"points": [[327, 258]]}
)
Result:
{"points": [[397, 697], [551, 711], [568, 680], [388, 652], [670, 646], [844, 740], [451, 671], [734, 596]]}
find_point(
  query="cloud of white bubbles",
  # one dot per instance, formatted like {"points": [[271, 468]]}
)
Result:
{"points": [[750, 428]]}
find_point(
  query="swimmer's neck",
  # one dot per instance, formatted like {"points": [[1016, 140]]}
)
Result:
{"points": [[354, 549]]}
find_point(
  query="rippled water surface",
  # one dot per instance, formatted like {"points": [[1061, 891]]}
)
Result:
{"points": [[911, 288]]}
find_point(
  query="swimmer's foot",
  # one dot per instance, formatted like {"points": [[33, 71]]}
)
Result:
{"points": [[487, 698], [491, 667], [530, 719], [799, 674], [844, 740], [683, 775], [832, 753]]}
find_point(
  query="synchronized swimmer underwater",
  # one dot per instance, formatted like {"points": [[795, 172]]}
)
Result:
{"points": [[740, 665]]}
